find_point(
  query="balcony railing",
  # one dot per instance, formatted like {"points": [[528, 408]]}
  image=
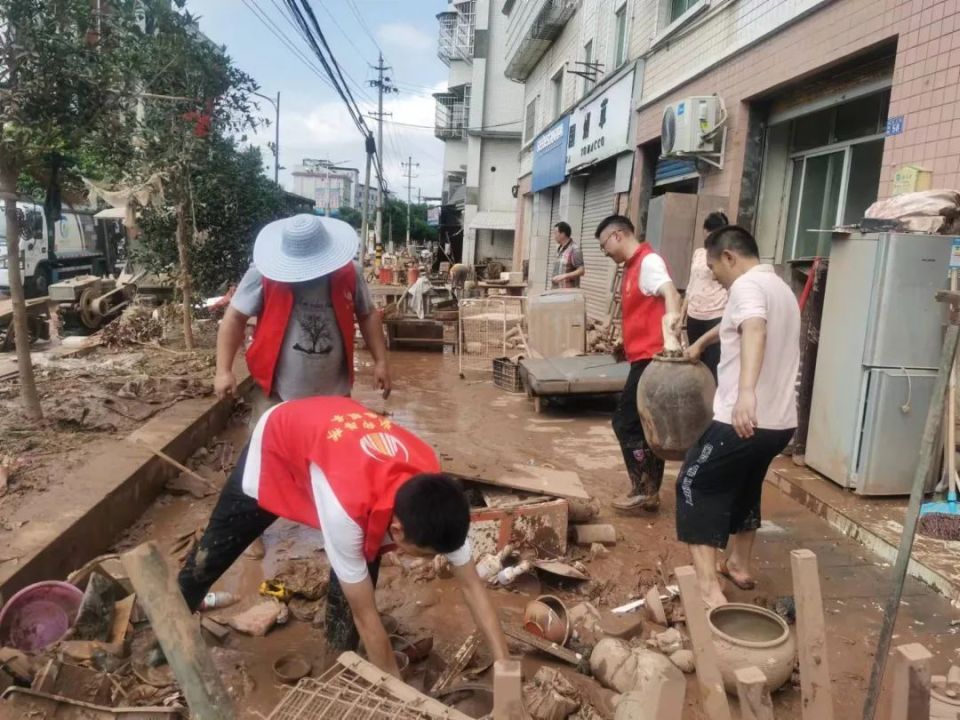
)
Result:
{"points": [[545, 21], [453, 113], [457, 28]]}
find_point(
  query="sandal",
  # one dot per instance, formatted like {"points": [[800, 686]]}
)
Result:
{"points": [[725, 571]]}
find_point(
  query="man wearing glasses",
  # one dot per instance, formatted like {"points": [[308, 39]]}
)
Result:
{"points": [[648, 296]]}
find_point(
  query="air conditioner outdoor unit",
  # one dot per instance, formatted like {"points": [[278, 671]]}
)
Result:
{"points": [[686, 123]]}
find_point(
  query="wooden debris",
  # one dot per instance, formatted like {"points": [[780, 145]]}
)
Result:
{"points": [[507, 690], [910, 699], [755, 702], [218, 631], [538, 480], [551, 648], [817, 698], [713, 696], [178, 634], [459, 662]]}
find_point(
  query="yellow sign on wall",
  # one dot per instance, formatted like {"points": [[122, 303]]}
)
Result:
{"points": [[912, 178]]}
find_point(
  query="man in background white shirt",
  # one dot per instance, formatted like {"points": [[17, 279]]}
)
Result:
{"points": [[754, 413]]}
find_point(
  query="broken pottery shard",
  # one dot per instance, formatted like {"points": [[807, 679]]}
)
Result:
{"points": [[597, 550], [550, 696], [684, 660], [257, 620], [95, 617], [622, 668], [562, 569]]}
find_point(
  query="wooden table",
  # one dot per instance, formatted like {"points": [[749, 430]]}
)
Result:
{"points": [[512, 289]]}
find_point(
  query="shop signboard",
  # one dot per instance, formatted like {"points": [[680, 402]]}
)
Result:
{"points": [[550, 156], [601, 128], [433, 216]]}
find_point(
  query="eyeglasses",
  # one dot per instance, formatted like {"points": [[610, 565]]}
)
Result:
{"points": [[604, 240]]}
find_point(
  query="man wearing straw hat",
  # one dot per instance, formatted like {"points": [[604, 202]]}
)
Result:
{"points": [[305, 290]]}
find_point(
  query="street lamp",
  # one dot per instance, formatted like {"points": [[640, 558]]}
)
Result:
{"points": [[276, 141]]}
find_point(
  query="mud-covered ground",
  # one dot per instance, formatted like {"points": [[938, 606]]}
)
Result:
{"points": [[481, 431]]}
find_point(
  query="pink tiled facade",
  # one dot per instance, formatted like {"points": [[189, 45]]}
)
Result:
{"points": [[926, 81]]}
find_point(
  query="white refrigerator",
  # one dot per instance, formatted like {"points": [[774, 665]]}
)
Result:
{"points": [[880, 342]]}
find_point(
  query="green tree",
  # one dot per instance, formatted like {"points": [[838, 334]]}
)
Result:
{"points": [[64, 78], [352, 216], [233, 200], [193, 95]]}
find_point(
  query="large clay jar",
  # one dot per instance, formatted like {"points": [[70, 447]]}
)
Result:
{"points": [[746, 635], [675, 403], [943, 707]]}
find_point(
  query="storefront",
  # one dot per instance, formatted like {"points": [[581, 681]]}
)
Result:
{"points": [[600, 166], [547, 178]]}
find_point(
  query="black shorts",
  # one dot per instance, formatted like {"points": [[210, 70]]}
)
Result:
{"points": [[719, 486]]}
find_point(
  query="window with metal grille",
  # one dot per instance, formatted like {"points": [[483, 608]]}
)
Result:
{"points": [[530, 123]]}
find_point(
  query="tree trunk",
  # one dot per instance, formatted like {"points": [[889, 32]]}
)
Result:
{"points": [[21, 330], [187, 282]]}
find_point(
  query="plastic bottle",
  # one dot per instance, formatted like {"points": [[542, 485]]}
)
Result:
{"points": [[219, 599], [509, 574]]}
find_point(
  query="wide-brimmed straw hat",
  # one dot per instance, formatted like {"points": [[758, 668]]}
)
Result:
{"points": [[304, 247]]}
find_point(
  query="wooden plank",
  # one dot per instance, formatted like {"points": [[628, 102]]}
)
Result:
{"points": [[496, 498], [178, 633], [551, 648], [816, 695], [507, 690], [755, 702], [911, 683], [540, 481], [456, 666], [713, 696]]}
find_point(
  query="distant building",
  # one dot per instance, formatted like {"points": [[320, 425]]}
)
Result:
{"points": [[330, 186], [479, 119]]}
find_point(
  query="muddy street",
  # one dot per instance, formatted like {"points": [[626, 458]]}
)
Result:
{"points": [[479, 431]]}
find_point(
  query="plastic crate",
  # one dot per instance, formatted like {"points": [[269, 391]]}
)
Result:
{"points": [[506, 375]]}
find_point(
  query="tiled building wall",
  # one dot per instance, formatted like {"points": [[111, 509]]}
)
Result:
{"points": [[925, 90]]}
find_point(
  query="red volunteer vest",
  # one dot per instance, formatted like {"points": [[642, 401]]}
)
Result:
{"points": [[264, 351], [365, 457], [642, 314]]}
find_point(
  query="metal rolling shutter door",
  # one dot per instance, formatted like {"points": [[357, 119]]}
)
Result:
{"points": [[598, 268]]}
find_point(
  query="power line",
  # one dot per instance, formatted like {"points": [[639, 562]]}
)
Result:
{"points": [[340, 28], [286, 16], [363, 24], [472, 129], [282, 37]]}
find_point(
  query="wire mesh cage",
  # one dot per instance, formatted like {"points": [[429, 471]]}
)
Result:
{"points": [[488, 328], [353, 689]]}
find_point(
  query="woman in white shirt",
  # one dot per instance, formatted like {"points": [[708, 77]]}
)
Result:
{"points": [[705, 298]]}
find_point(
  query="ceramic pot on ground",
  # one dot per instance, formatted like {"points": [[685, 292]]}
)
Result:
{"points": [[746, 635], [943, 707], [675, 404]]}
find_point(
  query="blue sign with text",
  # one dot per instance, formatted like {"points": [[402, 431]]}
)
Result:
{"points": [[895, 125], [550, 156]]}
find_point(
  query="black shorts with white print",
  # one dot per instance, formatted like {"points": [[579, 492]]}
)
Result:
{"points": [[720, 484]]}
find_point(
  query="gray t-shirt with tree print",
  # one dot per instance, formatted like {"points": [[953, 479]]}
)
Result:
{"points": [[312, 359]]}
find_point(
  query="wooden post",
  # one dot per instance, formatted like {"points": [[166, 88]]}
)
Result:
{"points": [[815, 692], [507, 690], [755, 702], [708, 671], [911, 683], [178, 633]]}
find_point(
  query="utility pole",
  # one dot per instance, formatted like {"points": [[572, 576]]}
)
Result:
{"points": [[409, 165], [383, 85], [364, 223]]}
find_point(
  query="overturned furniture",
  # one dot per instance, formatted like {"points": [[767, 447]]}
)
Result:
{"points": [[567, 376]]}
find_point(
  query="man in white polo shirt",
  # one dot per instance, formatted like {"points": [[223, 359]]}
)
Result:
{"points": [[754, 413]]}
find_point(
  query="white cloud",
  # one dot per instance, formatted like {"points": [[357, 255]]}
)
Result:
{"points": [[325, 130], [406, 36]]}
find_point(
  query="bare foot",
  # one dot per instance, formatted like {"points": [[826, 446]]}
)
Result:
{"points": [[712, 594], [741, 578]]}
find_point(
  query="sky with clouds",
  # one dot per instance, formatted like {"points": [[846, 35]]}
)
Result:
{"points": [[313, 120]]}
